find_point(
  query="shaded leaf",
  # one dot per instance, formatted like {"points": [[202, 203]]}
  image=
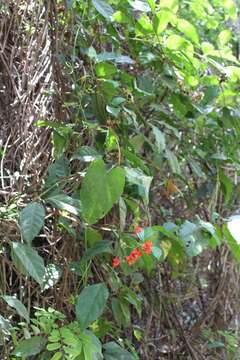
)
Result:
{"points": [[103, 8], [29, 261], [143, 182], [66, 203], [111, 56], [86, 154], [30, 347], [31, 221], [113, 351], [100, 190], [90, 304], [18, 306], [194, 239], [102, 246]]}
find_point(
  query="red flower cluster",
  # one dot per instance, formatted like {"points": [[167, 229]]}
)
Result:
{"points": [[116, 262], [147, 247], [134, 255], [138, 229]]}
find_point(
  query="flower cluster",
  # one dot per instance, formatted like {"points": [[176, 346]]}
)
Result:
{"points": [[135, 254]]}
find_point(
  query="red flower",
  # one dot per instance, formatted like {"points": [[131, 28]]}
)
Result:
{"points": [[116, 262], [138, 229], [147, 247], [134, 255]]}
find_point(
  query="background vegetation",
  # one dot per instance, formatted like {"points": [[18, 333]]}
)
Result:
{"points": [[119, 164]]}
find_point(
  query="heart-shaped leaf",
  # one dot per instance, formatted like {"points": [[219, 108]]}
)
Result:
{"points": [[100, 190]]}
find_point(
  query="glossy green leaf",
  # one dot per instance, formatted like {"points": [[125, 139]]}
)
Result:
{"points": [[31, 221], [100, 190], [18, 306], [90, 304], [29, 261]]}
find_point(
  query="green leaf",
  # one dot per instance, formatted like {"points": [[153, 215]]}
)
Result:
{"points": [[53, 346], [224, 37], [100, 190], [86, 154], [121, 312], [5, 325], [18, 306], [231, 233], [136, 177], [105, 70], [113, 351], [176, 42], [173, 162], [66, 203], [170, 4], [103, 8], [234, 227], [151, 3], [117, 58], [160, 139], [140, 5], [135, 300], [100, 247], [92, 236], [157, 252], [161, 20], [29, 261], [57, 356], [90, 304], [194, 239], [30, 347], [31, 221], [227, 186], [59, 168], [188, 29]]}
